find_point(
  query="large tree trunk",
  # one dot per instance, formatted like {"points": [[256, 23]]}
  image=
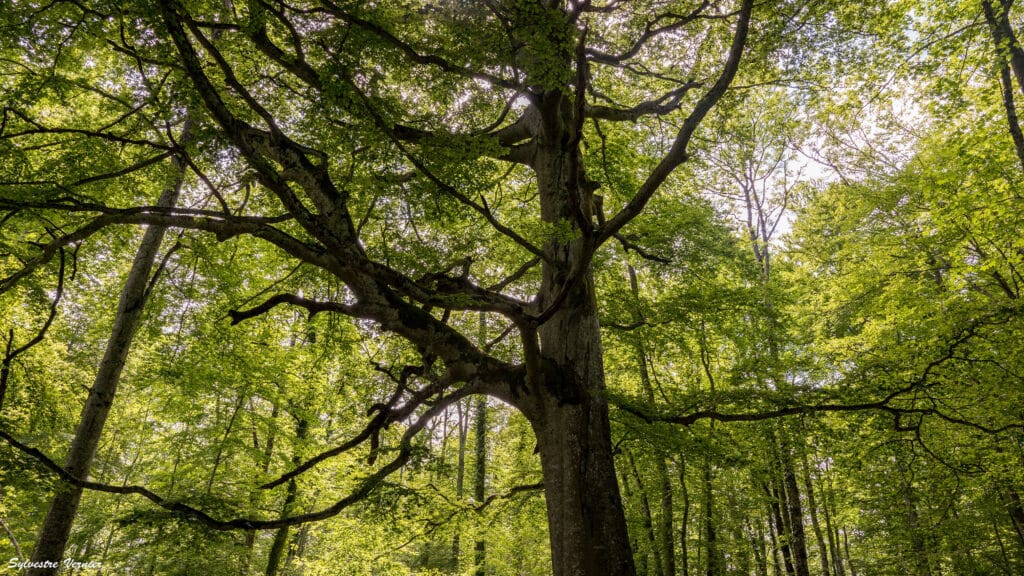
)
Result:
{"points": [[585, 517], [53, 537], [567, 405]]}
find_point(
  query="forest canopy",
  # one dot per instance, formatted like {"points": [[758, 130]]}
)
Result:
{"points": [[511, 287]]}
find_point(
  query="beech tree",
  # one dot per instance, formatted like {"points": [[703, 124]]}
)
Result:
{"points": [[338, 118]]}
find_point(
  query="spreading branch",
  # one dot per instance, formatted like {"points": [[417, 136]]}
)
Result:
{"points": [[677, 154]]}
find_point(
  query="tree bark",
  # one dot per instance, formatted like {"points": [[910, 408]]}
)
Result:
{"points": [[53, 536], [460, 477], [781, 543], [716, 560], [480, 478], [568, 409], [795, 514], [812, 508], [757, 544], [684, 547], [846, 548], [833, 533], [585, 516], [1010, 56], [645, 507], [280, 543]]}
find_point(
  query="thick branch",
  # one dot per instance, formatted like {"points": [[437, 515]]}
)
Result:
{"points": [[314, 307], [666, 104], [677, 154]]}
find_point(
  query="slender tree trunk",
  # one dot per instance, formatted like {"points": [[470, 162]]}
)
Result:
{"points": [[715, 559], [773, 535], [812, 508], [1005, 38], [53, 536], [664, 541], [5, 366], [796, 516], [1010, 56], [666, 530], [739, 562], [846, 548], [833, 534], [798, 539], [684, 547], [280, 543], [480, 478], [112, 530], [223, 441], [782, 541], [299, 549], [645, 507], [460, 479], [627, 493], [757, 544], [10, 536]]}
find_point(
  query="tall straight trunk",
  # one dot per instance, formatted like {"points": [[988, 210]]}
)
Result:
{"points": [[53, 536], [645, 507], [782, 540], [664, 531], [684, 547], [665, 524], [480, 477], [716, 560], [812, 508], [739, 561], [833, 532], [757, 545], [460, 479], [846, 549], [280, 543], [627, 493], [796, 518], [789, 499], [773, 536]]}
